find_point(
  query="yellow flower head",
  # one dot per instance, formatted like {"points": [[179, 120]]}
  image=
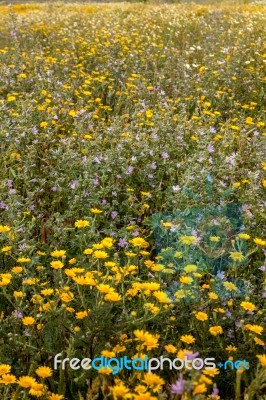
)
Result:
{"points": [[188, 339], [4, 369], [188, 240], [248, 306], [28, 321], [139, 242], [26, 381], [216, 330], [56, 264], [44, 372], [58, 253], [81, 223], [201, 316]]}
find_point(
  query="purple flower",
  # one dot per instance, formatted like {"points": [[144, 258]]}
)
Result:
{"points": [[153, 165], [165, 155], [73, 184], [9, 183], [129, 170], [210, 148], [12, 191], [191, 357], [2, 205], [54, 189], [122, 242], [114, 214], [18, 314], [215, 393], [220, 275], [136, 233], [178, 386]]}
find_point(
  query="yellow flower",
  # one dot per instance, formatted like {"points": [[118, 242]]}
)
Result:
{"points": [[37, 389], [215, 239], [23, 260], [259, 341], [230, 286], [17, 294], [107, 353], [112, 297], [211, 372], [190, 268], [81, 314], [4, 369], [96, 211], [47, 292], [162, 297], [259, 242], [149, 340], [201, 316], [139, 242], [5, 279], [167, 224], [254, 328], [17, 270], [26, 381], [6, 249], [216, 330], [188, 339], [28, 321], [66, 297], [4, 228], [248, 306], [170, 348], [54, 396], [88, 251], [81, 223], [107, 242], [231, 348], [185, 280], [244, 236], [44, 372], [188, 240], [119, 390], [100, 254], [153, 381], [43, 124], [200, 389], [262, 359], [237, 256], [56, 264], [213, 296], [58, 253], [7, 379]]}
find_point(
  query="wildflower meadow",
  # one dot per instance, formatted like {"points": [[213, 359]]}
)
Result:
{"points": [[132, 201]]}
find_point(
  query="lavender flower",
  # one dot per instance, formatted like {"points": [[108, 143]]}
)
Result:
{"points": [[114, 214], [18, 314], [122, 242], [178, 386]]}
